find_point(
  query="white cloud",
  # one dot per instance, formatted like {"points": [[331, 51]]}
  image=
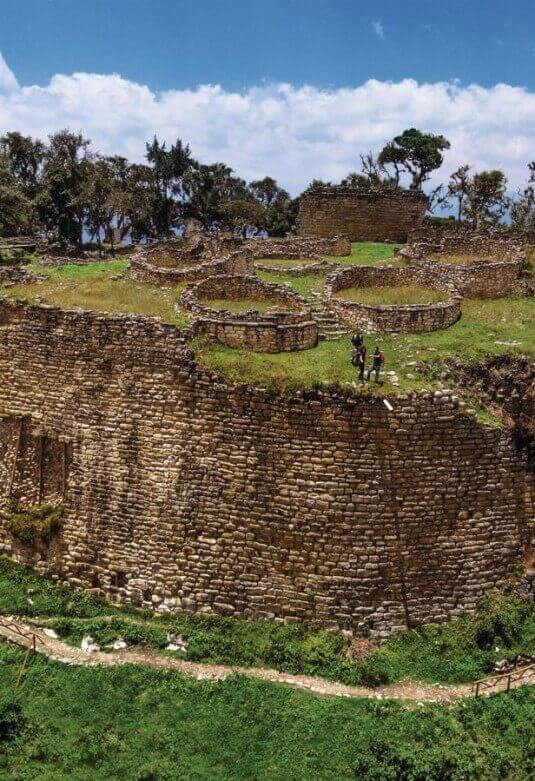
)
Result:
{"points": [[8, 82], [378, 29], [292, 133]]}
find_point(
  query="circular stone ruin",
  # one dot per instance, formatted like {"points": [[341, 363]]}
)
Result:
{"points": [[478, 266], [177, 261], [280, 323], [391, 318]]}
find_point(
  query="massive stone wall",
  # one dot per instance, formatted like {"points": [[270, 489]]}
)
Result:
{"points": [[362, 214], [185, 493]]}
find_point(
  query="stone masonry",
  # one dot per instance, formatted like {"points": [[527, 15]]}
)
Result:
{"points": [[183, 492], [362, 214]]}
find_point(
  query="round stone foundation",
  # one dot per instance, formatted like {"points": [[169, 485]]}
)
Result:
{"points": [[285, 330], [393, 318], [497, 263], [187, 260]]}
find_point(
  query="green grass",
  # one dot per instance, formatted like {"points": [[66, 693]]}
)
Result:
{"points": [[459, 651], [91, 286], [391, 294], [138, 724], [370, 253], [311, 283], [486, 327], [245, 305]]}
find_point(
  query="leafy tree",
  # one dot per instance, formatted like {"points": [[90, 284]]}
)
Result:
{"points": [[24, 156], [170, 167], [458, 188], [16, 211], [267, 191], [242, 214], [317, 184], [210, 188], [62, 198], [415, 153], [523, 208], [355, 179], [486, 200], [281, 210]]}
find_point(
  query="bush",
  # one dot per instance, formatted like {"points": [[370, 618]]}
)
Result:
{"points": [[12, 720], [38, 524]]}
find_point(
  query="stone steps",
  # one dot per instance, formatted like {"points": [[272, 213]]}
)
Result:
{"points": [[329, 324]]}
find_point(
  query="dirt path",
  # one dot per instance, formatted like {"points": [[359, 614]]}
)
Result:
{"points": [[16, 631]]}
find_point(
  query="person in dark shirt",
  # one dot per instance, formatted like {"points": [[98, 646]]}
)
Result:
{"points": [[361, 360], [378, 361], [356, 340]]}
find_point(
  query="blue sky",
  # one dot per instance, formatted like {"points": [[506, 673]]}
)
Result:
{"points": [[293, 88], [236, 43]]}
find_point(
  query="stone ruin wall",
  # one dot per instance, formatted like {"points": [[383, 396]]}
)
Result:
{"points": [[393, 318], [295, 247], [269, 332], [185, 493], [362, 214]]}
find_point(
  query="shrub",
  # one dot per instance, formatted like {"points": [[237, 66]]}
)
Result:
{"points": [[11, 718], [38, 524]]}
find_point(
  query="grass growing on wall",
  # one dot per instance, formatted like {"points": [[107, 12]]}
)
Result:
{"points": [[392, 294], [460, 651], [38, 524], [139, 724], [95, 286]]}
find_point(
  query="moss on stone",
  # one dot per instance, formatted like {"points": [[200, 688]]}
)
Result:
{"points": [[37, 524]]}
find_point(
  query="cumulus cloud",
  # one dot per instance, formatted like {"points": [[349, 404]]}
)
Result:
{"points": [[289, 132], [8, 82], [378, 29]]}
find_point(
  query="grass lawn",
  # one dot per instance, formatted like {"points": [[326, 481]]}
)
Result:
{"points": [[245, 305], [91, 286], [486, 327], [391, 294], [311, 283], [370, 253], [138, 724], [461, 651]]}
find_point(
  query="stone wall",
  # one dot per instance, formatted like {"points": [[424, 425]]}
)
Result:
{"points": [[273, 332], [494, 272], [362, 214], [169, 263], [392, 318], [186, 493], [295, 247]]}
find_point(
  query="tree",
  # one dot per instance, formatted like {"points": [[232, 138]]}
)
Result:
{"points": [[62, 199], [486, 201], [16, 212], [170, 168], [354, 179], [267, 191], [24, 156], [210, 187], [415, 153], [523, 208], [242, 214], [281, 209], [317, 184], [458, 188]]}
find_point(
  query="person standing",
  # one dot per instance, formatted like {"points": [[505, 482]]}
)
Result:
{"points": [[378, 361], [361, 360]]}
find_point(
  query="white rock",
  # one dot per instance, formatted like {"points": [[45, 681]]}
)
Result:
{"points": [[51, 633], [88, 644]]}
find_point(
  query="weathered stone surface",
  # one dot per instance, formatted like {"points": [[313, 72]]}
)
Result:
{"points": [[362, 214], [229, 499], [393, 318]]}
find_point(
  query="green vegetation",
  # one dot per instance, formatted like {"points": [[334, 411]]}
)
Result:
{"points": [[304, 286], [460, 651], [245, 304], [392, 294], [487, 327], [460, 258], [38, 524], [136, 724], [370, 253], [105, 287]]}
